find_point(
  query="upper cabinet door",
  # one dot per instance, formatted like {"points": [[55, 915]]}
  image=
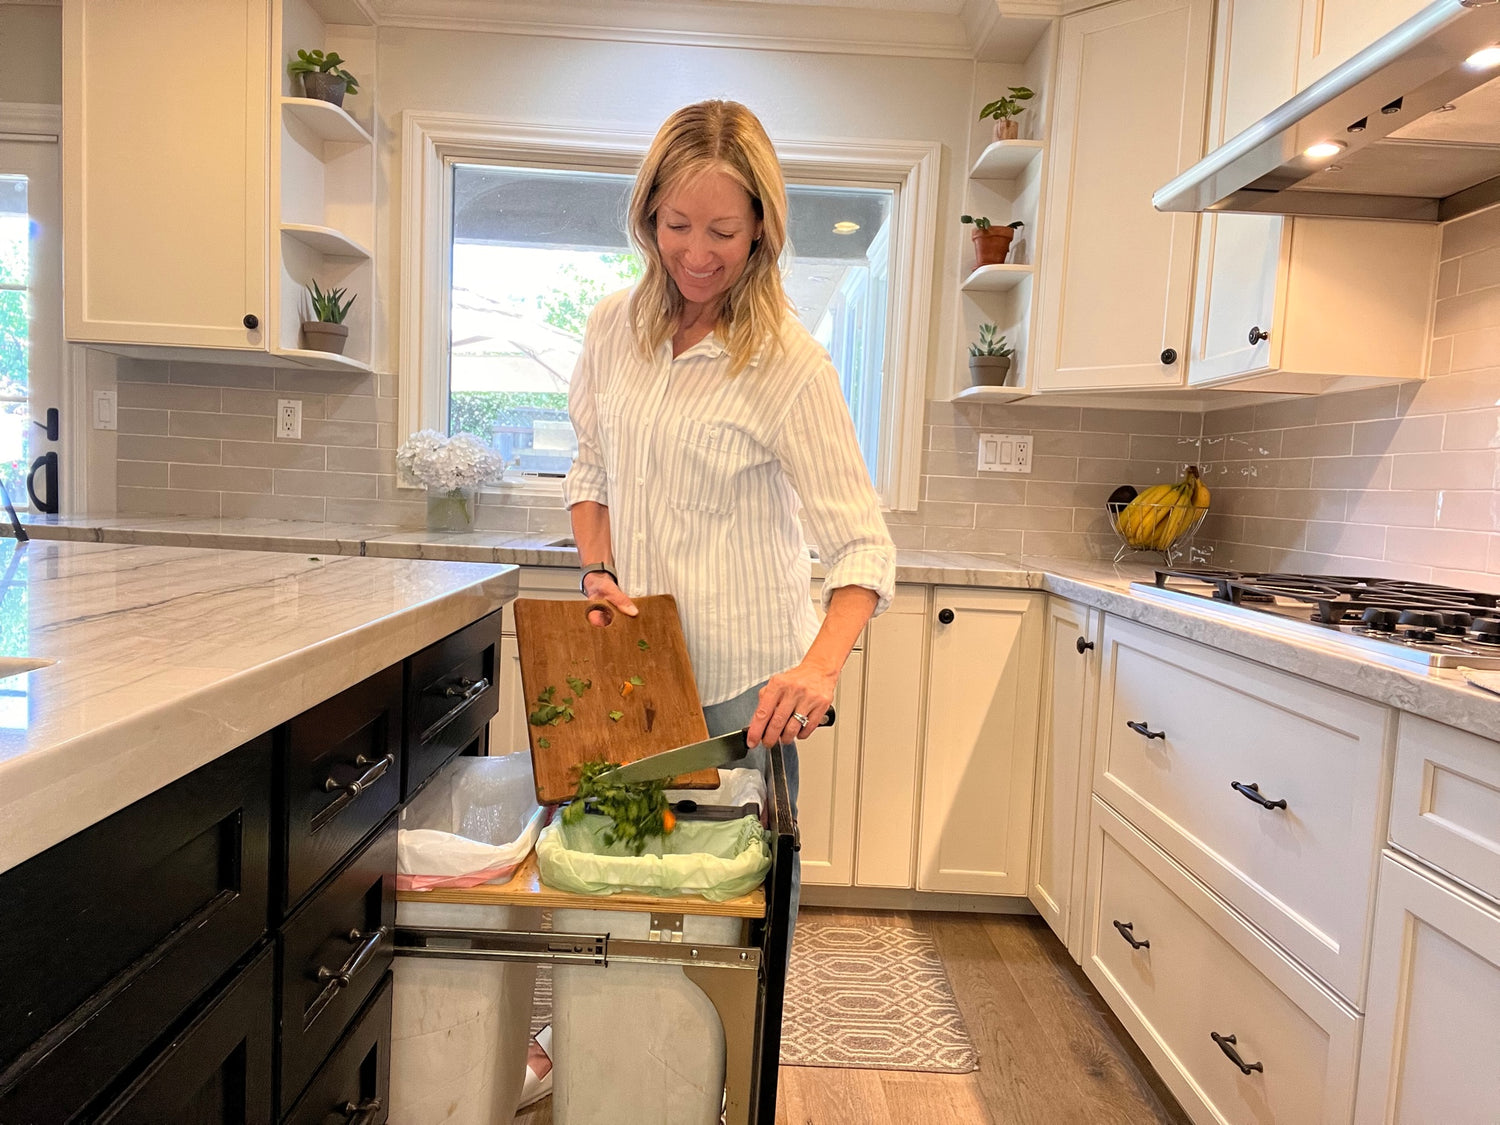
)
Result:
{"points": [[165, 241], [1334, 31], [1132, 82]]}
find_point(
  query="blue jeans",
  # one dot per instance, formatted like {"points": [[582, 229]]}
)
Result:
{"points": [[735, 714]]}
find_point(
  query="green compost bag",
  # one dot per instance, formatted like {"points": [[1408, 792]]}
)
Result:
{"points": [[718, 859]]}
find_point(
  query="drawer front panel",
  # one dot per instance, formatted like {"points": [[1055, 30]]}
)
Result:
{"points": [[334, 952], [1192, 979], [453, 690], [118, 929], [357, 1074], [218, 1070], [342, 777], [1194, 745], [1445, 804]]}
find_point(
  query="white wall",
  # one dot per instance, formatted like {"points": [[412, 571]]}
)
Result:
{"points": [[31, 53], [577, 83]]}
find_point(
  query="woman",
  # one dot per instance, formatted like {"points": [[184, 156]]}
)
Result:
{"points": [[706, 416]]}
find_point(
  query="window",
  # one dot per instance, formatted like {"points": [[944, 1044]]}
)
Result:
{"points": [[522, 232], [15, 332]]}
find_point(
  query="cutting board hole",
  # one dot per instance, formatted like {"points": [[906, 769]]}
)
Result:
{"points": [[599, 613]]}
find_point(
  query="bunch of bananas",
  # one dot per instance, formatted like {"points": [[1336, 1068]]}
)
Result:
{"points": [[1163, 513]]}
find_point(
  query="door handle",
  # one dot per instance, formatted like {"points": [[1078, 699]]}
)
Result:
{"points": [[1226, 1044], [1252, 790], [46, 464], [1143, 729]]}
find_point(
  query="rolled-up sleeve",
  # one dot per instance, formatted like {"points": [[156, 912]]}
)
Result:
{"points": [[588, 478], [818, 448]]}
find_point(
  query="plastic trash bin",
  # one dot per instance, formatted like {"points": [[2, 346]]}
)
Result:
{"points": [[460, 1029], [642, 1044]]}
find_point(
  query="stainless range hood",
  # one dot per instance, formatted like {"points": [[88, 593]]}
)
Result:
{"points": [[1414, 129]]}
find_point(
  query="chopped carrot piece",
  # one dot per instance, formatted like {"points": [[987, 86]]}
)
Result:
{"points": [[668, 821], [627, 688]]}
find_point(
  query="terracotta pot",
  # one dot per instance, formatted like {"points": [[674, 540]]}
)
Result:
{"points": [[989, 370], [324, 337], [1006, 129], [992, 245], [325, 87]]}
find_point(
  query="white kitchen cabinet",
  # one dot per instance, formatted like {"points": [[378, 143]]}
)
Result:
{"points": [[1064, 770], [891, 742], [828, 794], [1299, 305], [198, 209], [1334, 31], [1434, 1002], [979, 750], [1116, 275]]}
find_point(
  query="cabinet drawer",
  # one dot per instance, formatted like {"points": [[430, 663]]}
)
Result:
{"points": [[342, 777], [452, 691], [357, 1076], [334, 952], [1181, 725], [109, 935], [217, 1070], [1199, 972], [1445, 804]]}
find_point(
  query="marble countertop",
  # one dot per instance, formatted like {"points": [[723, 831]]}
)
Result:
{"points": [[166, 658], [1441, 695]]}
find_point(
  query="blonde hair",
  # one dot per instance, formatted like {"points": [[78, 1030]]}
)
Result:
{"points": [[708, 136]]}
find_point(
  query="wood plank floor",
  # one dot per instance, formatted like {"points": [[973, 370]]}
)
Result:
{"points": [[1050, 1051]]}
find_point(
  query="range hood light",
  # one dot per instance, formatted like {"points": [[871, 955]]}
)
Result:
{"points": [[1486, 58], [1324, 150]]}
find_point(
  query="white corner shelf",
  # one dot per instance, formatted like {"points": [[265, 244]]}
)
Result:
{"points": [[327, 120], [356, 12], [991, 394], [996, 279], [325, 240], [322, 361], [1005, 160]]}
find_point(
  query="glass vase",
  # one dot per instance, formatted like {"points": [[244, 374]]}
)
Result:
{"points": [[451, 509]]}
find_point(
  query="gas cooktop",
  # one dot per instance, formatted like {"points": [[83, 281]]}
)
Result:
{"points": [[1435, 626]]}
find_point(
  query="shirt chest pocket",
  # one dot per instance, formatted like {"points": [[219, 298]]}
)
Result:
{"points": [[706, 464]]}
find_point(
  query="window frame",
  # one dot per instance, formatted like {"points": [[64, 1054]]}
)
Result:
{"points": [[433, 142]]}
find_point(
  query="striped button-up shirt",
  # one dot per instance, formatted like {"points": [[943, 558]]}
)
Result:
{"points": [[704, 473]]}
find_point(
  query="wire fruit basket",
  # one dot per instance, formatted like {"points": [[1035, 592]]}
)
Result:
{"points": [[1163, 529]]}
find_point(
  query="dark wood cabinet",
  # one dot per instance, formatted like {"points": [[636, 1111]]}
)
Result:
{"points": [[217, 1071], [106, 938], [452, 692], [354, 1085]]}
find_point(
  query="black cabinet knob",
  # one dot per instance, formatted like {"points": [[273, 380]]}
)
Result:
{"points": [[252, 321], [1084, 646], [1256, 335], [1169, 356], [945, 616]]}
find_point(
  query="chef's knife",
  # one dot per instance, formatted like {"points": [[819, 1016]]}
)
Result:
{"points": [[708, 754]]}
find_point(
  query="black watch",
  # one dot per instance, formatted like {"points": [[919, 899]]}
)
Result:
{"points": [[596, 568]]}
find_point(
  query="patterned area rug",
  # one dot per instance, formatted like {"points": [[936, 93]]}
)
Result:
{"points": [[872, 997]]}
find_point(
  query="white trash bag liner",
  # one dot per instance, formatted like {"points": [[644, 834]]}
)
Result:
{"points": [[475, 823]]}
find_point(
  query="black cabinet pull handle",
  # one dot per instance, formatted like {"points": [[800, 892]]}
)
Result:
{"points": [[364, 1113], [1226, 1044], [1256, 335], [1169, 356], [1084, 646], [1142, 728], [251, 321], [1253, 792], [1127, 931], [352, 790], [945, 616], [334, 980], [466, 692]]}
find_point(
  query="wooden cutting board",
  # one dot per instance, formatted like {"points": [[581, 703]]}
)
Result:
{"points": [[557, 641]]}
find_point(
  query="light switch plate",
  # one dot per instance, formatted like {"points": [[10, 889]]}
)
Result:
{"points": [[289, 418], [1005, 453], [106, 410]]}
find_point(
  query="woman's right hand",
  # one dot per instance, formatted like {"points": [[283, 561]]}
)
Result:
{"points": [[601, 587]]}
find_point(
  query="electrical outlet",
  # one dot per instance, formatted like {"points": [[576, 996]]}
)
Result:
{"points": [[289, 418], [106, 410], [1005, 453]]}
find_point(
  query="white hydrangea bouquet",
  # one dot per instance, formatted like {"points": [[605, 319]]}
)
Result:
{"points": [[452, 468]]}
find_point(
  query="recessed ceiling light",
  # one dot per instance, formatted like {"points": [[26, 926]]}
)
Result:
{"points": [[1486, 58], [845, 227], [1324, 150]]}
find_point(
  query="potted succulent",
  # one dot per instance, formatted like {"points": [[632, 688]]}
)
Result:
{"points": [[1005, 110], [328, 333], [991, 243], [989, 359], [323, 76]]}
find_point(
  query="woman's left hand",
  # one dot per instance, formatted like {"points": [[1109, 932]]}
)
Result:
{"points": [[800, 693]]}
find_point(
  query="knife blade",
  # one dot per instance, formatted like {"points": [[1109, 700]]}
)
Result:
{"points": [[721, 750]]}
